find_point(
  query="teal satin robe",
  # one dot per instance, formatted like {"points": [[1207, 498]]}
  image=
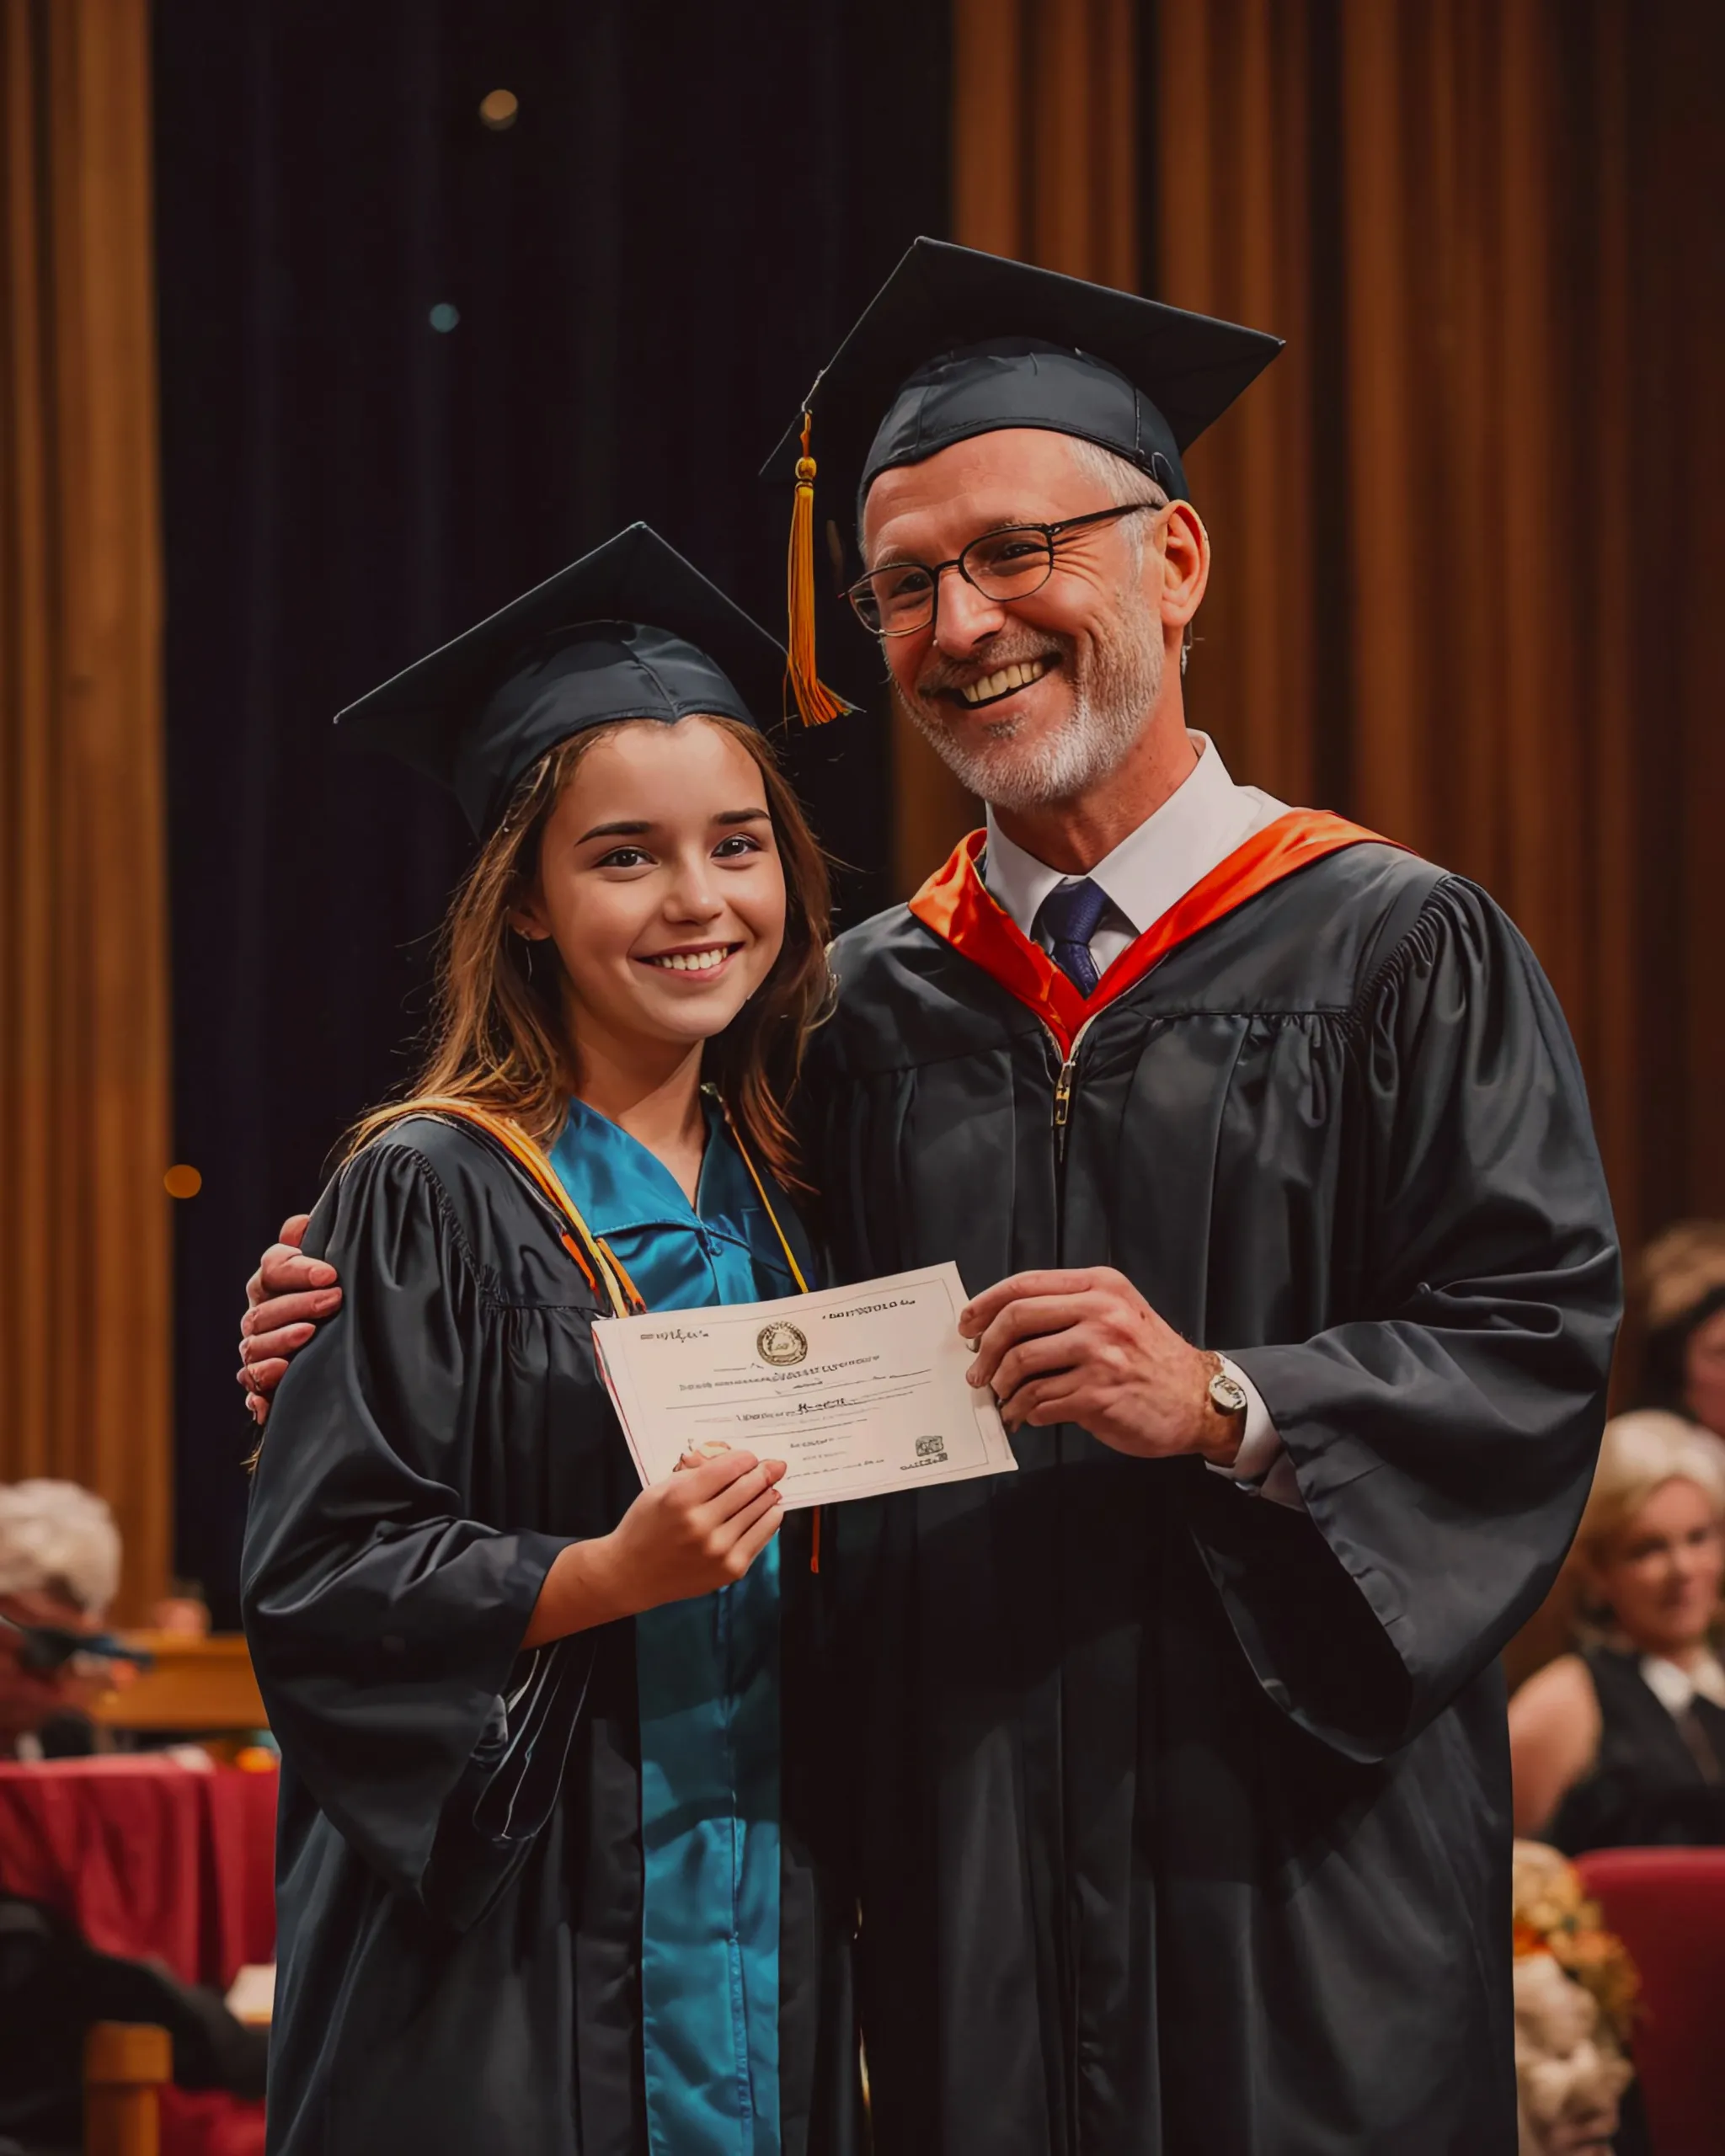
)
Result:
{"points": [[709, 1687]]}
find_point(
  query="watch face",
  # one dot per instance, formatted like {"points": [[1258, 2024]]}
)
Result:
{"points": [[1228, 1394]]}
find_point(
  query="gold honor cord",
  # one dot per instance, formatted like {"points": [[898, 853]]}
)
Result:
{"points": [[625, 1298], [784, 1244], [598, 1263]]}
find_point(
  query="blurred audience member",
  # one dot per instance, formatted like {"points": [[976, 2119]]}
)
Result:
{"points": [[1683, 1295], [183, 1612], [54, 1986], [59, 1569], [1624, 1742]]}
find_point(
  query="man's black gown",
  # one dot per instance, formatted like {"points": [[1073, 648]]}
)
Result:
{"points": [[1181, 1818], [459, 1859]]}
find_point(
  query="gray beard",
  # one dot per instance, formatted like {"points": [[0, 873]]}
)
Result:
{"points": [[1112, 696]]}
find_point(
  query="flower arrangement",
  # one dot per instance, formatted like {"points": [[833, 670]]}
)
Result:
{"points": [[1575, 1987]]}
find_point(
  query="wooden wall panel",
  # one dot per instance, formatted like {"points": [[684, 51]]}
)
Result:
{"points": [[85, 1259], [1463, 533], [1044, 169], [1232, 181]]}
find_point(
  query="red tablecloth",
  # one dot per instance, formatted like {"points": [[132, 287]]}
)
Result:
{"points": [[155, 1861], [148, 1858]]}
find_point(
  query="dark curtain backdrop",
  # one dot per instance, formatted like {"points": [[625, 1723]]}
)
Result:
{"points": [[647, 268]]}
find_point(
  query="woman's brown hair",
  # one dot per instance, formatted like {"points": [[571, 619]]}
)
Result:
{"points": [[497, 1024]]}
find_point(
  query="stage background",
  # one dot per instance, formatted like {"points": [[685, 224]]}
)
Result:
{"points": [[1468, 529], [648, 268]]}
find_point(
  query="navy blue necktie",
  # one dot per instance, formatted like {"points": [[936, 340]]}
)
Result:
{"points": [[1068, 917]]}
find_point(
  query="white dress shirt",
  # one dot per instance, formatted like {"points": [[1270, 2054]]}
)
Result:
{"points": [[1152, 868], [1677, 1689]]}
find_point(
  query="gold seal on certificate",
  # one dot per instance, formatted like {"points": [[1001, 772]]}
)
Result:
{"points": [[860, 1391], [782, 1343]]}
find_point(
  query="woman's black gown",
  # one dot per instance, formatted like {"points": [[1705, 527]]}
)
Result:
{"points": [[458, 1864]]}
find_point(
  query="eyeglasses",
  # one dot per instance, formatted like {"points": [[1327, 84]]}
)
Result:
{"points": [[46, 1649], [901, 598]]}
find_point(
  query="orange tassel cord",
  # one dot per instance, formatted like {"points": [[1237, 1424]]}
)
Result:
{"points": [[815, 702]]}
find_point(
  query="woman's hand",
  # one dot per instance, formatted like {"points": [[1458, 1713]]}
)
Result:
{"points": [[699, 1530]]}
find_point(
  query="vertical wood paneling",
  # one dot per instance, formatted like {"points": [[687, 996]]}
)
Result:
{"points": [[1615, 911], [1232, 180], [1680, 528], [1045, 169], [85, 1262], [1502, 562], [1387, 512], [991, 181]]}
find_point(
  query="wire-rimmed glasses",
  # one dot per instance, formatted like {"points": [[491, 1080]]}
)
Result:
{"points": [[900, 598]]}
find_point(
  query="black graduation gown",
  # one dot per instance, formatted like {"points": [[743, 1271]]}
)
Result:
{"points": [[1183, 1824], [458, 1860]]}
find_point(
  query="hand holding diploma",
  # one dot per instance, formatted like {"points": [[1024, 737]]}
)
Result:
{"points": [[860, 1391], [698, 1530]]}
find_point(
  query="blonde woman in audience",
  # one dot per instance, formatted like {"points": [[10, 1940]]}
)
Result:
{"points": [[1624, 1741]]}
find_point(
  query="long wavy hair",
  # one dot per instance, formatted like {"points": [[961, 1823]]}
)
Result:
{"points": [[498, 1031]]}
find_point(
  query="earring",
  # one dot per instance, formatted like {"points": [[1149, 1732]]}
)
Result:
{"points": [[528, 957]]}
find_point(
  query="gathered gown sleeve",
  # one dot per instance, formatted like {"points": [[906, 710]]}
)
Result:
{"points": [[385, 1617], [1444, 1434]]}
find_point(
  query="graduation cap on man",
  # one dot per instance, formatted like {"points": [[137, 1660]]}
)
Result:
{"points": [[958, 343], [630, 630]]}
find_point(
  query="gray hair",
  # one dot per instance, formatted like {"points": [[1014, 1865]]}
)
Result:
{"points": [[57, 1538], [1126, 482], [1119, 476]]}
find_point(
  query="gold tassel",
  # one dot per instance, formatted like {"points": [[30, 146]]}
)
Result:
{"points": [[815, 703]]}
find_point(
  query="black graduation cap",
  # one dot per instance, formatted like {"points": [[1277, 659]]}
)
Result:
{"points": [[958, 343], [630, 630]]}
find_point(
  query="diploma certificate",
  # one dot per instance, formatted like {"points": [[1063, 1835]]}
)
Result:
{"points": [[859, 1391]]}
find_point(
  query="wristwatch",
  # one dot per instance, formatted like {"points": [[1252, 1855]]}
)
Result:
{"points": [[1227, 1396]]}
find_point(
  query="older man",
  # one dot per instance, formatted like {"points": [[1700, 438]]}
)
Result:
{"points": [[1183, 1814], [1171, 1770]]}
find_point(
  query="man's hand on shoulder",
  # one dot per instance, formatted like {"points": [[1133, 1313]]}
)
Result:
{"points": [[287, 1299], [1084, 1347]]}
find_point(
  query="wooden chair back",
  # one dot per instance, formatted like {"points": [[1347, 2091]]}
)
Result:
{"points": [[126, 2063]]}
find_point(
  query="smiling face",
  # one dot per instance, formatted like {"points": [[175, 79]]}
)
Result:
{"points": [[1661, 1571], [1034, 700], [660, 885]]}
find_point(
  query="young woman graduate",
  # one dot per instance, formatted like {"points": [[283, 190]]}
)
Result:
{"points": [[547, 1878]]}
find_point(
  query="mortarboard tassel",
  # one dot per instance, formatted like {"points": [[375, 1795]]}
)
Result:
{"points": [[815, 703]]}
